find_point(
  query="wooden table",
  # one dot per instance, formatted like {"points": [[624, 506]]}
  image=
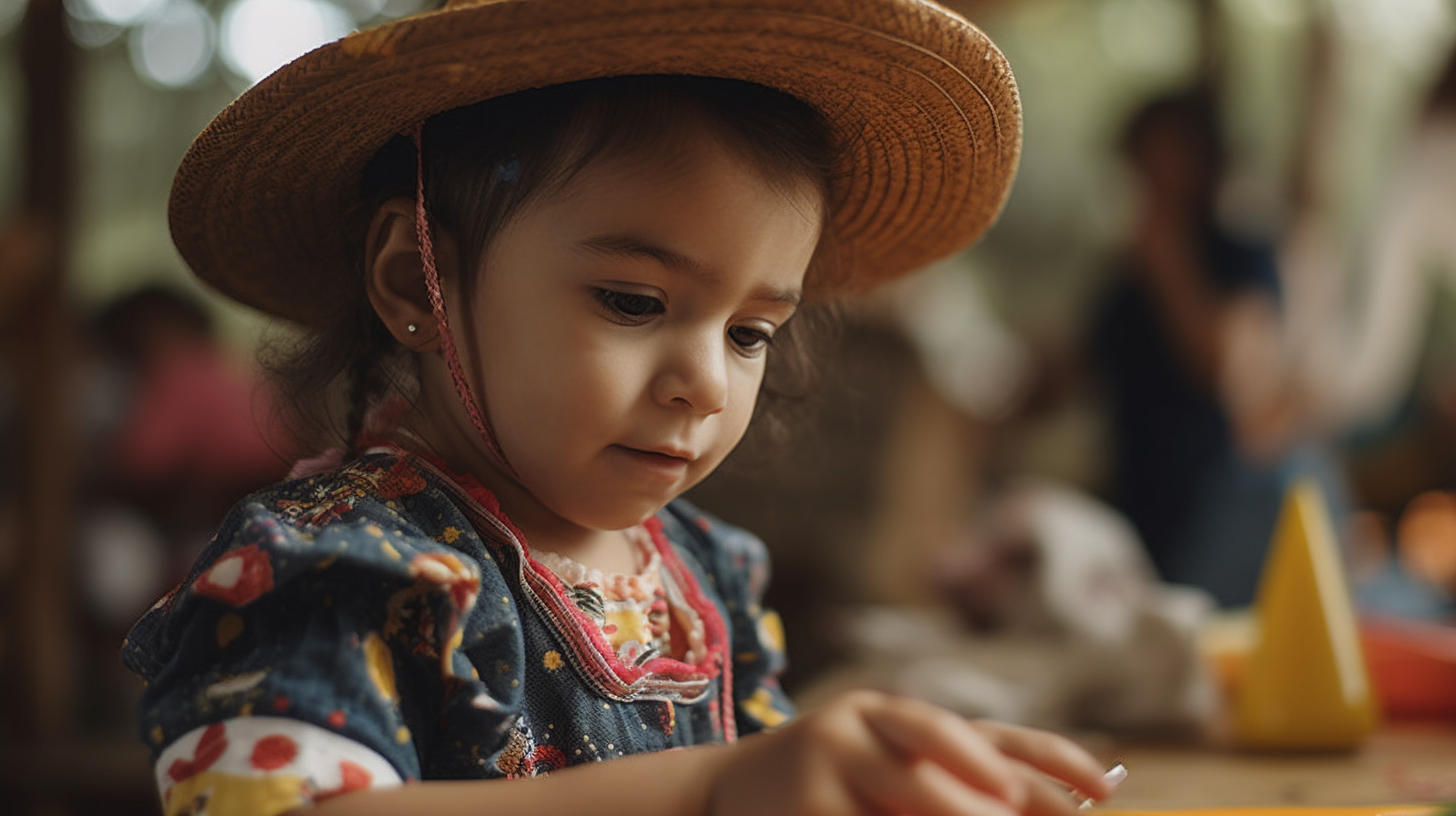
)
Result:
{"points": [[1401, 764]]}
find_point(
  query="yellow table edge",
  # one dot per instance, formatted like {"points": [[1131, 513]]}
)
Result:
{"points": [[1386, 810]]}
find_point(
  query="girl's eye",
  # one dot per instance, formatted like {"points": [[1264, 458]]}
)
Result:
{"points": [[629, 308], [750, 340]]}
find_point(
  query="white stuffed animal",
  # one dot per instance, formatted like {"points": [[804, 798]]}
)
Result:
{"points": [[1054, 618]]}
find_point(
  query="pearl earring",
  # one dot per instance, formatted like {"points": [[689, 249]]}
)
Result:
{"points": [[412, 328]]}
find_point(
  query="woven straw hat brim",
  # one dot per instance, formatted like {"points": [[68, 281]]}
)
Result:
{"points": [[923, 102]]}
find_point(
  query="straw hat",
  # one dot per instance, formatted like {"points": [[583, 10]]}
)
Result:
{"points": [[924, 101]]}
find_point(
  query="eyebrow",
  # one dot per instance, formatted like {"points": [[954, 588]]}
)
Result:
{"points": [[630, 246]]}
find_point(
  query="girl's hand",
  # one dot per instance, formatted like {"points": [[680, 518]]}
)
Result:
{"points": [[873, 753]]}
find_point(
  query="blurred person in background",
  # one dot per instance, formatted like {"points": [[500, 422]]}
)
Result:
{"points": [[181, 427], [197, 429], [1207, 426]]}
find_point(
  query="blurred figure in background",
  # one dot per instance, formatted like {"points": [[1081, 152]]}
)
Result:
{"points": [[196, 430], [1205, 418], [180, 428]]}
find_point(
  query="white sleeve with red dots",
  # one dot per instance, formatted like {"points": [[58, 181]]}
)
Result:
{"points": [[264, 765]]}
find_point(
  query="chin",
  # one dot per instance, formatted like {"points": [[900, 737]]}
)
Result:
{"points": [[624, 514]]}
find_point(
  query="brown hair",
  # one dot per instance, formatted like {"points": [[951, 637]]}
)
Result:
{"points": [[483, 163]]}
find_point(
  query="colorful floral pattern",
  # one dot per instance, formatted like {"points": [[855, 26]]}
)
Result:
{"points": [[643, 616], [382, 622]]}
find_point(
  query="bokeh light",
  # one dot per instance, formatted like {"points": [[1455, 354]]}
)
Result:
{"points": [[85, 28], [260, 36], [119, 12], [175, 45]]}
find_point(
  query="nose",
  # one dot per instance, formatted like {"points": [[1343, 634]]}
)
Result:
{"points": [[694, 374]]}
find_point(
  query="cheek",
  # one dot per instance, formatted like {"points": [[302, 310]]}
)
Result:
{"points": [[529, 355], [569, 393], [555, 395], [743, 400]]}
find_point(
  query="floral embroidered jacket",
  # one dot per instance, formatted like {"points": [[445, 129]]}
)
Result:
{"points": [[384, 622]]}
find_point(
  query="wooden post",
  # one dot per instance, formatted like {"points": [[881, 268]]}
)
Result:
{"points": [[40, 343]]}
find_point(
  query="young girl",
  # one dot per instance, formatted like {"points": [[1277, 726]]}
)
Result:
{"points": [[545, 249]]}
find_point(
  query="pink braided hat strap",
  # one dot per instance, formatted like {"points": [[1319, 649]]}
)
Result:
{"points": [[437, 306]]}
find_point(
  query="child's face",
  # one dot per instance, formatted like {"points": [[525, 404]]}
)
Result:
{"points": [[622, 324]]}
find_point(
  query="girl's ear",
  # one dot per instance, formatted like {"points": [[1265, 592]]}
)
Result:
{"points": [[394, 277]]}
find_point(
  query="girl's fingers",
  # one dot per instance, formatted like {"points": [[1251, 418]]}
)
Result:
{"points": [[926, 789], [920, 731], [899, 755], [1046, 798], [1051, 754]]}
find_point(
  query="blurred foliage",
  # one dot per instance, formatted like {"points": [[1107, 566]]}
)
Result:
{"points": [[1082, 66]]}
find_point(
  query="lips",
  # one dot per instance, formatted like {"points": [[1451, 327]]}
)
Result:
{"points": [[665, 456], [667, 453], [666, 461]]}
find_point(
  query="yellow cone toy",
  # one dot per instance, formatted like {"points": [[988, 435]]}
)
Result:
{"points": [[1305, 685]]}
